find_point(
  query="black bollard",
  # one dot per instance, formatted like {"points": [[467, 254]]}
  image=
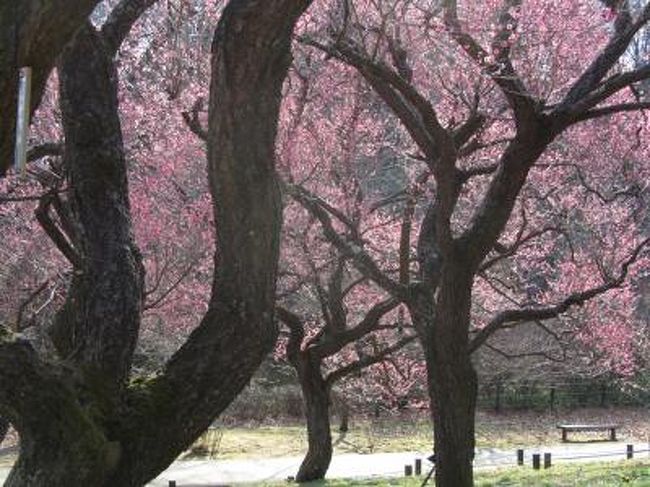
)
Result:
{"points": [[547, 460], [536, 461], [520, 457]]}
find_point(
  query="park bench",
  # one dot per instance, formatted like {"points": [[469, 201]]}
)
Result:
{"points": [[588, 427]]}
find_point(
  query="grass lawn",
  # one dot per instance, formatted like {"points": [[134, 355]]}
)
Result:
{"points": [[413, 433], [627, 473]]}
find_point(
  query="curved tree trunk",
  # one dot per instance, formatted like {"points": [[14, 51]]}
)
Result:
{"points": [[64, 438], [98, 325], [316, 396]]}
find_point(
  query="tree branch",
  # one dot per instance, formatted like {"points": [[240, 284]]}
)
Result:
{"points": [[121, 19], [501, 70], [353, 251], [333, 343], [611, 110], [367, 361], [590, 79], [574, 299], [193, 121]]}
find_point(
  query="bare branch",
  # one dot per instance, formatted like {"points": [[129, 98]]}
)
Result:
{"points": [[368, 360], [589, 81], [56, 235], [362, 261], [415, 112], [296, 332], [611, 110], [511, 250], [44, 150], [120, 21], [501, 70], [574, 299], [511, 356], [334, 343], [23, 306]]}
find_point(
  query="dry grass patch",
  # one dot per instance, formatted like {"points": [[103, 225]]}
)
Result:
{"points": [[506, 430]]}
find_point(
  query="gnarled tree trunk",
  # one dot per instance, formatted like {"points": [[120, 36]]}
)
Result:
{"points": [[315, 393], [80, 421]]}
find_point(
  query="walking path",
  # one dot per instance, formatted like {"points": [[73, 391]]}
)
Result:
{"points": [[212, 473]]}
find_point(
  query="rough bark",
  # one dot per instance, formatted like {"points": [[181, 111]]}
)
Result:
{"points": [[62, 425], [32, 33], [61, 445], [453, 381], [442, 320], [315, 393], [98, 326]]}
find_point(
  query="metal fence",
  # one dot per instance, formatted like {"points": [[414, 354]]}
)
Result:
{"points": [[549, 396]]}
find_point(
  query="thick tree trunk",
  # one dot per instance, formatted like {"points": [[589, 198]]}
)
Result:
{"points": [[98, 325], [316, 396], [61, 445], [64, 417], [452, 379]]}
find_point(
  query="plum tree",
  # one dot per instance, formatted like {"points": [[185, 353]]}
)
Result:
{"points": [[81, 422], [428, 63]]}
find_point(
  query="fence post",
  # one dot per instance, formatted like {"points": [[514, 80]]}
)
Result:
{"points": [[172, 483], [520, 457], [408, 470], [547, 460], [630, 452], [536, 462], [497, 398], [552, 400]]}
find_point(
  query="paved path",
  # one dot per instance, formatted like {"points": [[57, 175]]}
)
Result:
{"points": [[212, 473], [223, 472]]}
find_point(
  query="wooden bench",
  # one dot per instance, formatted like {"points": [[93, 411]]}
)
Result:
{"points": [[588, 427]]}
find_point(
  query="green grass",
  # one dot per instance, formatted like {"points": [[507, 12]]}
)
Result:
{"points": [[627, 473], [572, 475]]}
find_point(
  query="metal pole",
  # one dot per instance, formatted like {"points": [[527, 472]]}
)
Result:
{"points": [[22, 118]]}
